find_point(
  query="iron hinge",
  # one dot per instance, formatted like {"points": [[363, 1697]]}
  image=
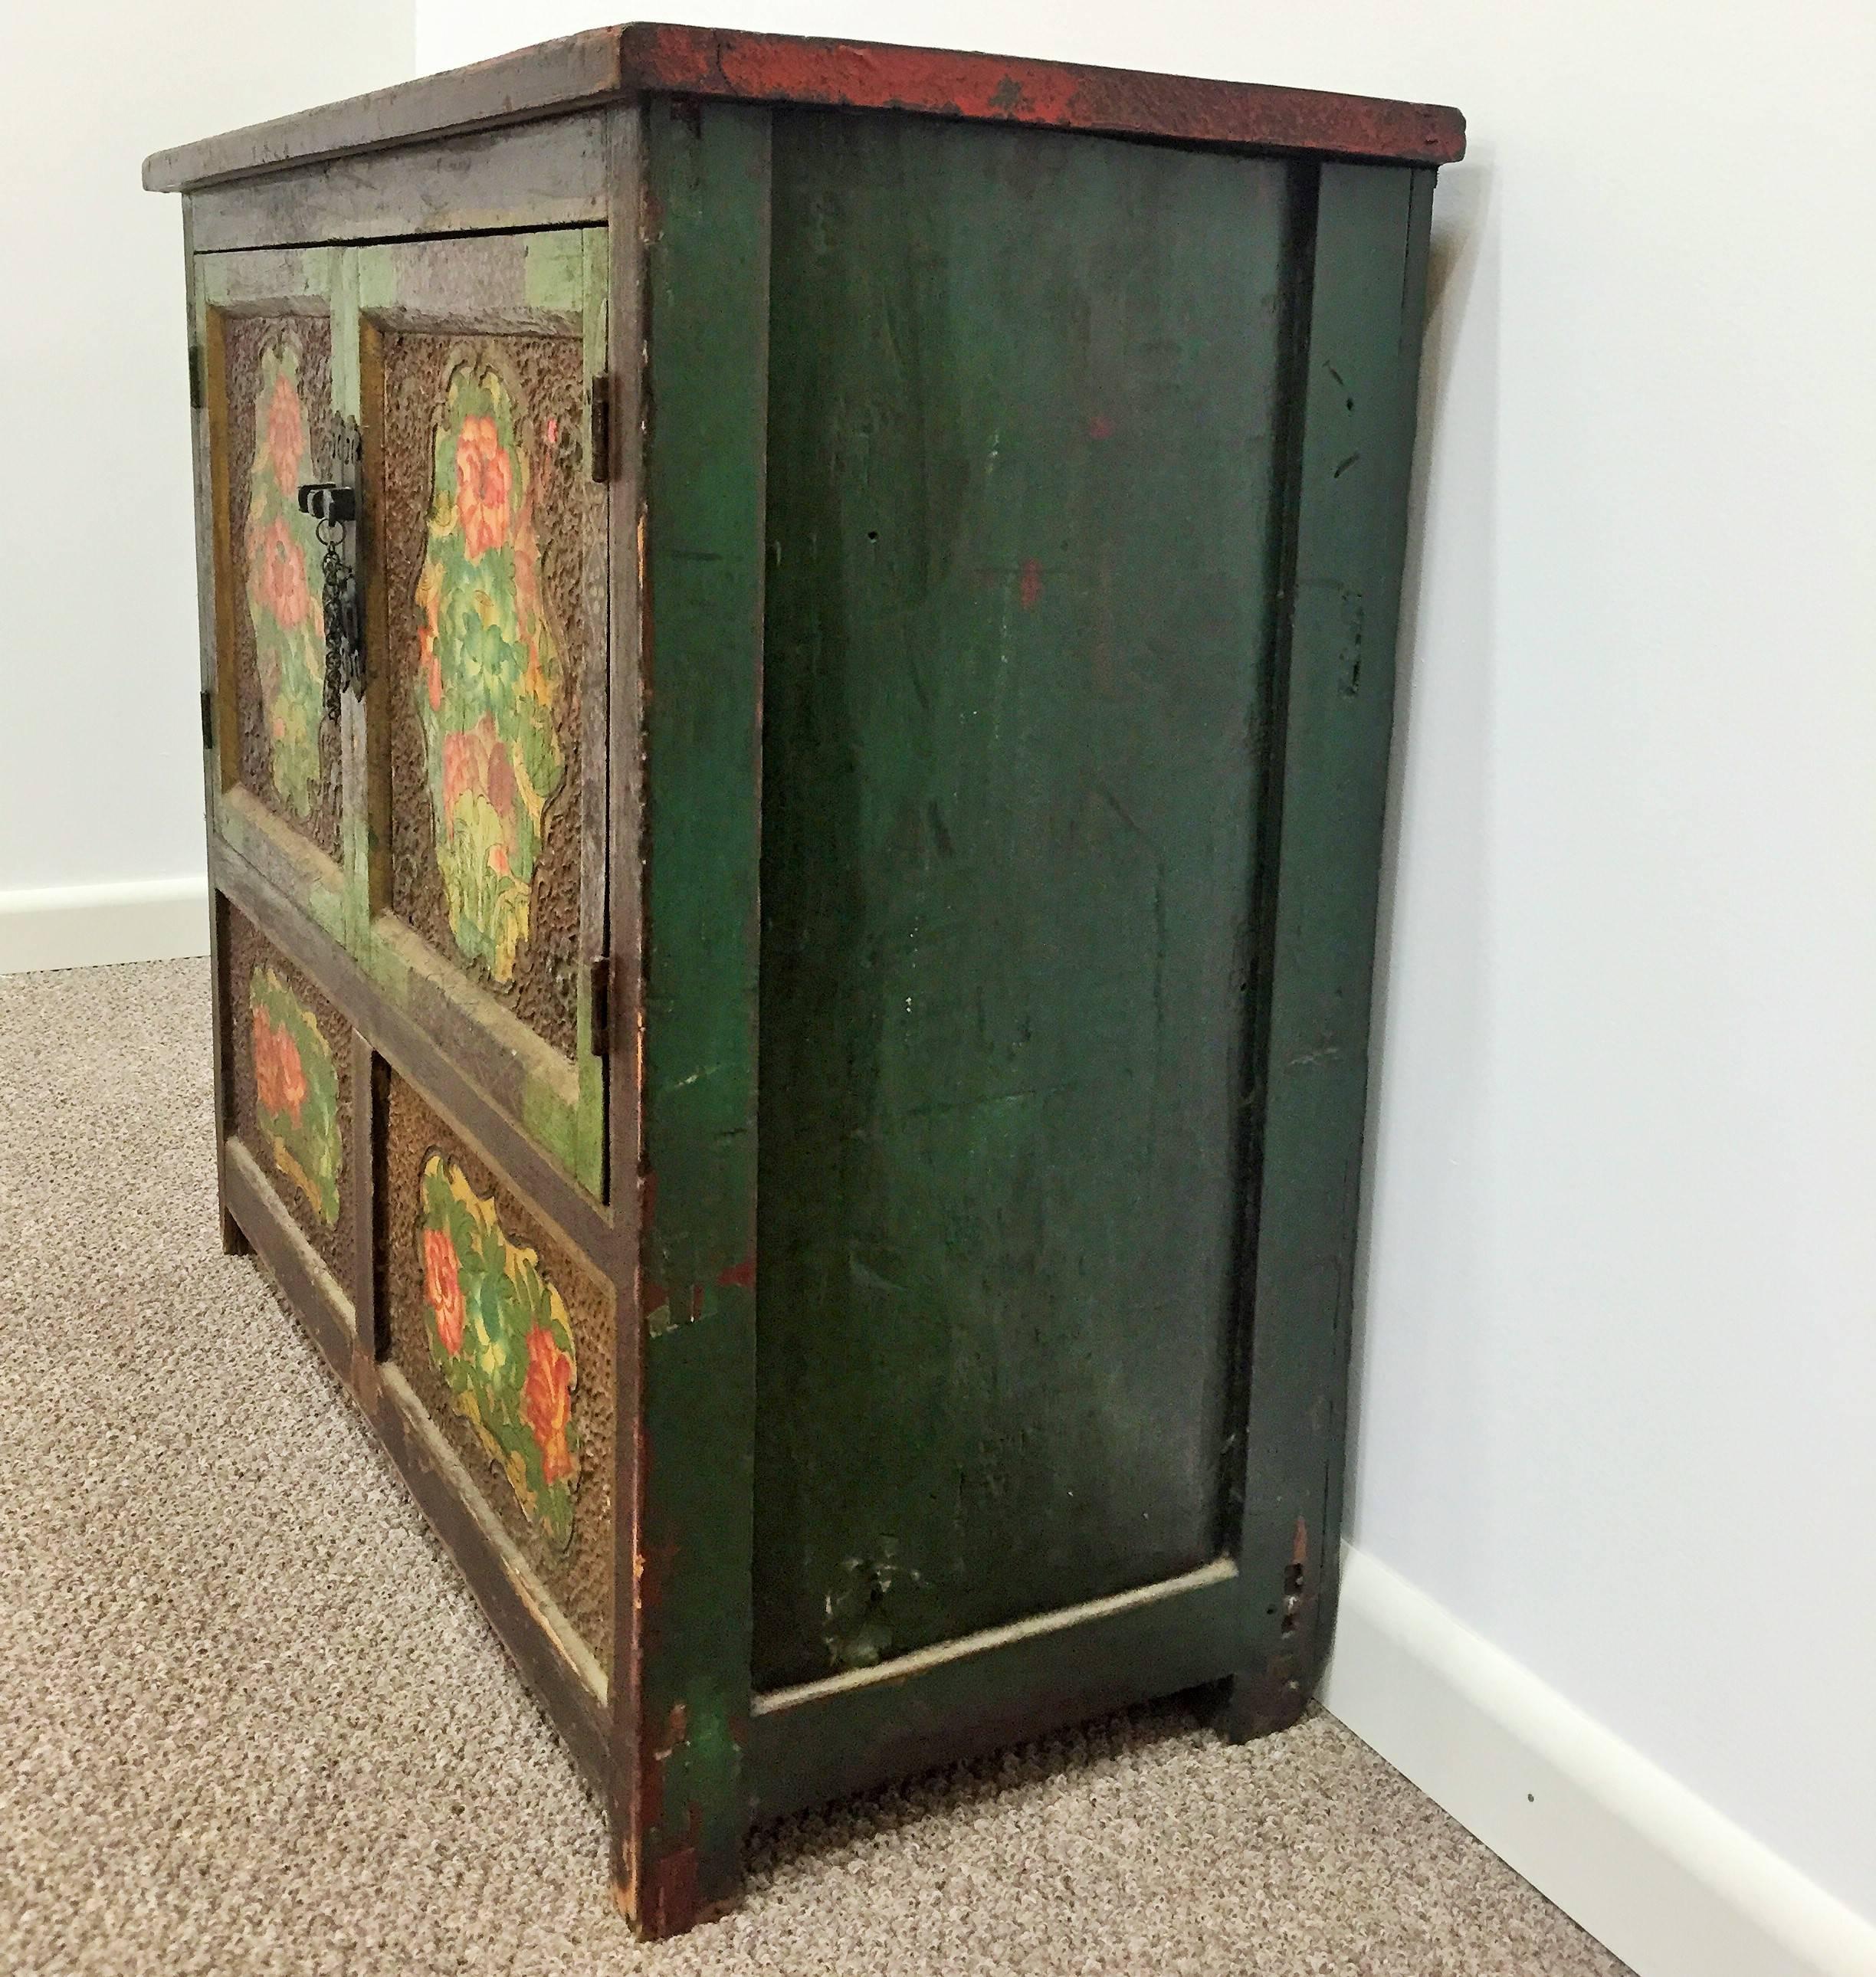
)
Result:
{"points": [[208, 718], [198, 396], [601, 454], [599, 1003]]}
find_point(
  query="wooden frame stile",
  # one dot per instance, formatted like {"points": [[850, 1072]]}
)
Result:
{"points": [[705, 304], [234, 1243], [222, 285], [1353, 401], [621, 1038]]}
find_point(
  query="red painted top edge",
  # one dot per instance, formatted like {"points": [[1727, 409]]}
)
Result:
{"points": [[605, 64], [873, 75]]}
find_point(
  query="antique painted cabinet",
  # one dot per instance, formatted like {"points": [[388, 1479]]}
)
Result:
{"points": [[797, 647]]}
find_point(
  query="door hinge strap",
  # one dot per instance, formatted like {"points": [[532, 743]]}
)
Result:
{"points": [[599, 1003], [208, 718], [602, 433], [198, 394]]}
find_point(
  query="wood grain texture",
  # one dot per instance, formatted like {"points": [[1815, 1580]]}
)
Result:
{"points": [[209, 677], [1016, 675], [706, 305], [554, 77], [551, 173], [850, 1732], [726, 64], [624, 464], [1360, 370]]}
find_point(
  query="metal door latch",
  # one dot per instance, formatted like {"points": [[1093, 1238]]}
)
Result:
{"points": [[334, 508]]}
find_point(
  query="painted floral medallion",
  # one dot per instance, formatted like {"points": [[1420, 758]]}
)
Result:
{"points": [[282, 555], [500, 1341], [296, 1092], [488, 683]]}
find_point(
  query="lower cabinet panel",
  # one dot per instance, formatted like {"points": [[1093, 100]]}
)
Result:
{"points": [[506, 1343], [290, 1081]]}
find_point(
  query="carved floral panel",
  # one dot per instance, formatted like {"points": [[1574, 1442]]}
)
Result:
{"points": [[281, 561], [500, 1341], [296, 1092], [489, 683]]}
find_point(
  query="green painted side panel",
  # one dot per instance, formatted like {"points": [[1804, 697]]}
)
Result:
{"points": [[1022, 474], [1354, 461], [707, 308]]}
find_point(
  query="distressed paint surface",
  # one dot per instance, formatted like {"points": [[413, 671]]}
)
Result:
{"points": [[706, 301], [501, 1340], [1011, 675], [296, 1092], [489, 671], [282, 557], [1355, 397], [1015, 690], [487, 738]]}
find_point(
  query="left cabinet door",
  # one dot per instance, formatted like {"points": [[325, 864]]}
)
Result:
{"points": [[280, 390]]}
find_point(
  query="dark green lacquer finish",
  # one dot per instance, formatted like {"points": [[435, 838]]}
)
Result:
{"points": [[1018, 632], [1006, 473], [706, 300], [1359, 374]]}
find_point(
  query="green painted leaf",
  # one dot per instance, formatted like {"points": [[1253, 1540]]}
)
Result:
{"points": [[500, 1341], [282, 556], [488, 688], [296, 1092]]}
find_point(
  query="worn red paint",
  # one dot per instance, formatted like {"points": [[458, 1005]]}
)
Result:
{"points": [[1062, 95], [653, 1755], [739, 1276], [606, 63], [1032, 586], [1100, 426], [671, 1894]]}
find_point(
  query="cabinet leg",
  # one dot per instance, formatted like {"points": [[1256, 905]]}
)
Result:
{"points": [[1256, 1702], [234, 1240]]}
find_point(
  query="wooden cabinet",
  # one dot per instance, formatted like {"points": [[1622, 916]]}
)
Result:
{"points": [[796, 651]]}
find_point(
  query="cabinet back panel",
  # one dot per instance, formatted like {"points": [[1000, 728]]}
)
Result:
{"points": [[1022, 475]]}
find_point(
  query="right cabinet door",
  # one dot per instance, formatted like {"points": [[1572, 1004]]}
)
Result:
{"points": [[486, 625]]}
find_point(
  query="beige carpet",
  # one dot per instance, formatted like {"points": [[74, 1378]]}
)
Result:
{"points": [[253, 1723]]}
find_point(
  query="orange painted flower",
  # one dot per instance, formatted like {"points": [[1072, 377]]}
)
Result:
{"points": [[290, 1072], [267, 1089], [443, 1289], [280, 574], [547, 1404], [286, 434], [476, 761], [484, 480], [465, 759], [430, 596], [499, 780]]}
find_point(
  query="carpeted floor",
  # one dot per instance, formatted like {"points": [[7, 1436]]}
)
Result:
{"points": [[252, 1722]]}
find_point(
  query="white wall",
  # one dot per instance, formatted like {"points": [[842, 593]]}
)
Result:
{"points": [[1619, 1355], [100, 768]]}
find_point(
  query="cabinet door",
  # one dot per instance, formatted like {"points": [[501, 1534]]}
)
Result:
{"points": [[278, 419], [486, 636]]}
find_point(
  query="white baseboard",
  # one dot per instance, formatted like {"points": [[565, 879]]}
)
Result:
{"points": [[1674, 1888], [90, 927]]}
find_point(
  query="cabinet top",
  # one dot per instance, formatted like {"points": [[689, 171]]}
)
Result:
{"points": [[608, 63]]}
